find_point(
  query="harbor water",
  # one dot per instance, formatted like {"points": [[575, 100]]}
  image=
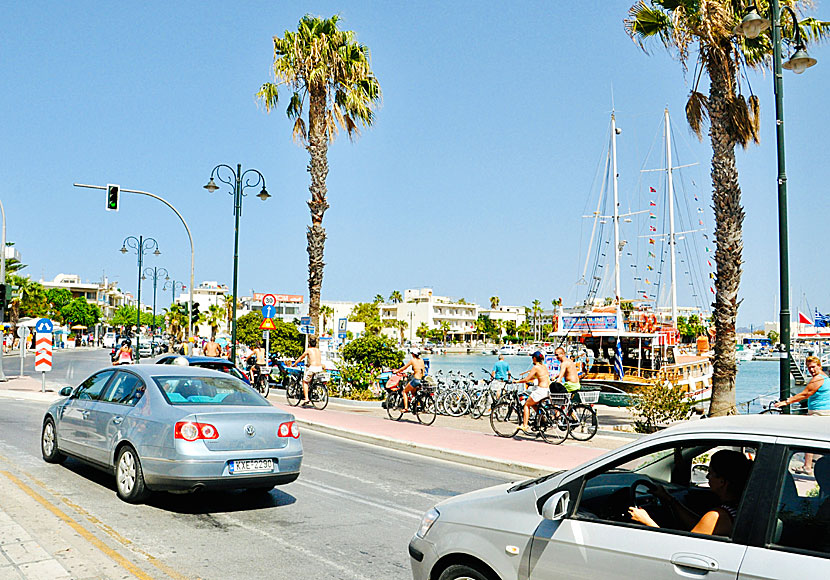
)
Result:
{"points": [[755, 378]]}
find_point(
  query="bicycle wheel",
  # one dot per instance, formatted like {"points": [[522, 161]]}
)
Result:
{"points": [[458, 403], [264, 387], [583, 422], [294, 391], [394, 406], [424, 406], [319, 395], [552, 425], [439, 403], [505, 419], [479, 405]]}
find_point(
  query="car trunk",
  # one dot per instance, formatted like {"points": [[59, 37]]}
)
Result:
{"points": [[234, 429]]}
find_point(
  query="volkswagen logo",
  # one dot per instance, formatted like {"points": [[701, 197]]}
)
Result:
{"points": [[250, 430]]}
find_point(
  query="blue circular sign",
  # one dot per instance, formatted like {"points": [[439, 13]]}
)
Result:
{"points": [[43, 325], [269, 311]]}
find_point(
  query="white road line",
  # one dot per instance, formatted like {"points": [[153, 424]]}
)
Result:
{"points": [[375, 484], [312, 555], [342, 493]]}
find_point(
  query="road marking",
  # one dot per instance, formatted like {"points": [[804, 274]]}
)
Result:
{"points": [[312, 555], [115, 556], [336, 491], [379, 485]]}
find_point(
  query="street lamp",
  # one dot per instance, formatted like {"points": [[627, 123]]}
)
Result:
{"points": [[142, 246], [751, 26], [235, 180], [155, 273], [172, 285]]}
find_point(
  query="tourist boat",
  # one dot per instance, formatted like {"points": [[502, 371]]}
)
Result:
{"points": [[744, 352], [627, 351], [508, 350], [526, 350]]}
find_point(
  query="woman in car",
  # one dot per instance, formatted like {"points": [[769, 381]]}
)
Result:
{"points": [[728, 474]]}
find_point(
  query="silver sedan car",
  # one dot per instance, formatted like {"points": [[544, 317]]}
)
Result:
{"points": [[173, 428], [729, 498]]}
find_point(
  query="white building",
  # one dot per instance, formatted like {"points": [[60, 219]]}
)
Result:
{"points": [[289, 306], [514, 314], [207, 294], [104, 294], [420, 306]]}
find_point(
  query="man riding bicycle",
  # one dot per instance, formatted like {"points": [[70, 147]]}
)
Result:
{"points": [[313, 364], [538, 372], [418, 372], [567, 381]]}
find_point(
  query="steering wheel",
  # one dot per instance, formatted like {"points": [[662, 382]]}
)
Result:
{"points": [[648, 484]]}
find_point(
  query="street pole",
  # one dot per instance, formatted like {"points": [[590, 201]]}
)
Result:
{"points": [[155, 273], [3, 378], [236, 182], [142, 246], [783, 242]]}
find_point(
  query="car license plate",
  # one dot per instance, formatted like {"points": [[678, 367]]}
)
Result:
{"points": [[251, 466]]}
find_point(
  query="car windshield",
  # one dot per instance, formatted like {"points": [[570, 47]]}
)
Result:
{"points": [[184, 390]]}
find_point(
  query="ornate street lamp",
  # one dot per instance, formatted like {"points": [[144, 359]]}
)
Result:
{"points": [[751, 26], [141, 246], [155, 273], [236, 180]]}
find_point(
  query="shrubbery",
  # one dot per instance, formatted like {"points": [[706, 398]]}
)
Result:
{"points": [[363, 361], [659, 404]]}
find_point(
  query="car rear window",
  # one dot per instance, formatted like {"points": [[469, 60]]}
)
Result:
{"points": [[225, 368], [184, 390]]}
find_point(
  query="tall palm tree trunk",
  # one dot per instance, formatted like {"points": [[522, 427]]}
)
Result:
{"points": [[319, 169], [729, 217]]}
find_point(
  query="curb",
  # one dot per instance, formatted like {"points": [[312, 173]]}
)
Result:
{"points": [[513, 467]]}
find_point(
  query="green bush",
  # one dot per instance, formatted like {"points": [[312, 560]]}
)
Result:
{"points": [[659, 404], [374, 351]]}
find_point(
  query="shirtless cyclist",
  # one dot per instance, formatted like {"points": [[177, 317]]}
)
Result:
{"points": [[313, 364], [540, 373], [567, 380], [418, 372]]}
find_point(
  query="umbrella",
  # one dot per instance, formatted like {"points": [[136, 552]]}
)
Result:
{"points": [[78, 327]]}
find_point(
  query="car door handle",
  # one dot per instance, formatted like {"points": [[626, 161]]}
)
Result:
{"points": [[117, 420], [696, 561]]}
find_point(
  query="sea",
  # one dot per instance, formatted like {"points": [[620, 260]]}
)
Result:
{"points": [[755, 385]]}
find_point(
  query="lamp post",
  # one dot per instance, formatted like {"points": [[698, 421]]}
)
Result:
{"points": [[142, 246], [155, 273], [751, 26], [172, 285], [236, 180]]}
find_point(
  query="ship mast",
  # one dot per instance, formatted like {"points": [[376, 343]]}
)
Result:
{"points": [[672, 240], [616, 215]]}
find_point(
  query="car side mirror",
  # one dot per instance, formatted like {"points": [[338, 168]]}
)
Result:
{"points": [[556, 506], [65, 391]]}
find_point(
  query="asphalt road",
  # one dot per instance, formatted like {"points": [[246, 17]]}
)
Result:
{"points": [[69, 366], [349, 516]]}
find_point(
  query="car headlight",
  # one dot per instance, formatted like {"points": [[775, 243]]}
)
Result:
{"points": [[426, 522]]}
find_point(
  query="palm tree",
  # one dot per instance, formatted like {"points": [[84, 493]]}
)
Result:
{"points": [[378, 299], [401, 325], [176, 316], [422, 331], [229, 304], [213, 318], [328, 75], [326, 312], [537, 310], [701, 31], [494, 302], [445, 328], [395, 297]]}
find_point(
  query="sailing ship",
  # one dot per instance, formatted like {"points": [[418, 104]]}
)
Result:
{"points": [[624, 351]]}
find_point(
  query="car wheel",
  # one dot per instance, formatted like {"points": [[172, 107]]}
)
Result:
{"points": [[462, 572], [49, 443], [129, 477]]}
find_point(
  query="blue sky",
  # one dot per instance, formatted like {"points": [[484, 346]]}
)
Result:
{"points": [[473, 180]]}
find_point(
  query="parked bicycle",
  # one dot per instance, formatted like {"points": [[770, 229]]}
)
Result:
{"points": [[546, 420], [422, 404], [485, 395]]}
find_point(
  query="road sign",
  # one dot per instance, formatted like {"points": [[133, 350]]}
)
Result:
{"points": [[269, 300], [269, 311], [341, 324], [23, 331], [305, 320], [43, 352], [43, 325], [268, 324], [341, 335], [307, 329]]}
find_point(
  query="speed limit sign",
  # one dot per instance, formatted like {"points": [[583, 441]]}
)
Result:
{"points": [[269, 300]]}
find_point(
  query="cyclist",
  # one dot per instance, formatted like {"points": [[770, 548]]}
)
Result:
{"points": [[124, 356], [540, 373], [567, 381], [418, 372], [313, 364]]}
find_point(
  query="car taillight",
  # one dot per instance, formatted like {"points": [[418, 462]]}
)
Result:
{"points": [[290, 429], [191, 431]]}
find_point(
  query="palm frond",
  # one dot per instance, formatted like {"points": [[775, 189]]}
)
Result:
{"points": [[739, 118], [268, 95], [755, 117], [295, 106], [697, 111], [299, 132], [814, 30], [645, 22]]}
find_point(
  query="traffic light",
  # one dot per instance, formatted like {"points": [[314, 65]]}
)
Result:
{"points": [[194, 316], [113, 193]]}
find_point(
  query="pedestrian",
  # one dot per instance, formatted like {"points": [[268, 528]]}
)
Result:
{"points": [[213, 349]]}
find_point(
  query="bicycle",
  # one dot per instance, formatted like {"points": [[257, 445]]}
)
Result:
{"points": [[546, 420], [422, 404], [260, 380], [582, 417], [318, 390], [483, 398]]}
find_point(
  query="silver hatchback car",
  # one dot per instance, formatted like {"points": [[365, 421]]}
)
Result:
{"points": [[772, 522], [173, 428]]}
